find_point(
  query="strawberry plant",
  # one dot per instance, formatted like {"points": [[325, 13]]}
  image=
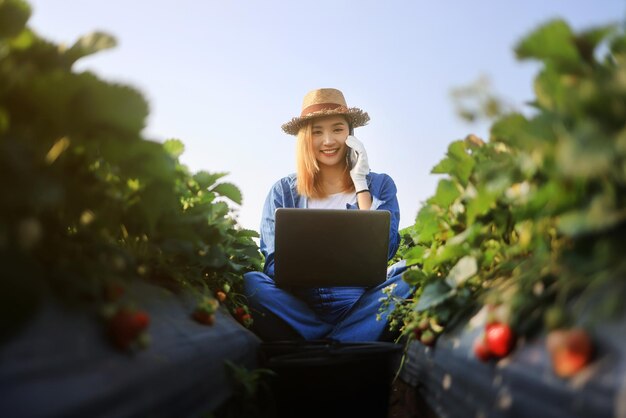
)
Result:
{"points": [[531, 223], [87, 203]]}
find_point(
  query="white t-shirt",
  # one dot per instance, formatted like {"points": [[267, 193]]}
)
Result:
{"points": [[333, 201]]}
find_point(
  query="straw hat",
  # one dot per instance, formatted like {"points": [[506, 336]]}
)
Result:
{"points": [[325, 102]]}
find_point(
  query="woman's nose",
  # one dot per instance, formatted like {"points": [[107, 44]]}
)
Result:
{"points": [[328, 138]]}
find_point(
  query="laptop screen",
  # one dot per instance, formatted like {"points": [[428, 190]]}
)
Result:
{"points": [[331, 247]]}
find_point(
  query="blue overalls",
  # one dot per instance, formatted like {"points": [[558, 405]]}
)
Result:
{"points": [[340, 313]]}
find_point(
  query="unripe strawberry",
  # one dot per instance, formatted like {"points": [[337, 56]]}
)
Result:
{"points": [[428, 338]]}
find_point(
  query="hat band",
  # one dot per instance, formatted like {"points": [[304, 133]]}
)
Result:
{"points": [[319, 107]]}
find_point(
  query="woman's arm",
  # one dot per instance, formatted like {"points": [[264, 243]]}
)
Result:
{"points": [[273, 201], [384, 197], [364, 200]]}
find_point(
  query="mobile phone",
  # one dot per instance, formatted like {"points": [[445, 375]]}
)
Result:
{"points": [[351, 155]]}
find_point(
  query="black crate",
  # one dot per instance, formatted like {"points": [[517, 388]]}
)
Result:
{"points": [[330, 378]]}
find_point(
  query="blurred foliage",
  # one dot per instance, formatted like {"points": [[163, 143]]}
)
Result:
{"points": [[85, 199], [534, 219], [476, 101]]}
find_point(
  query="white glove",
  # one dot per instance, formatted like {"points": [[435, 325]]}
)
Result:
{"points": [[357, 160]]}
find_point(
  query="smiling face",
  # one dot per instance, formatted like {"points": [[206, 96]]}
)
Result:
{"points": [[329, 136]]}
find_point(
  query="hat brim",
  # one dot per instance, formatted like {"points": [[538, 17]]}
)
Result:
{"points": [[355, 116]]}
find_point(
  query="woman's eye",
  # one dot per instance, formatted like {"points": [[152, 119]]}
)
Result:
{"points": [[317, 132]]}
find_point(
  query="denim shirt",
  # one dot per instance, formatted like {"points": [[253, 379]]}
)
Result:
{"points": [[284, 195]]}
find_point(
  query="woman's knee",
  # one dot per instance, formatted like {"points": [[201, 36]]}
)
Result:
{"points": [[257, 287], [255, 279]]}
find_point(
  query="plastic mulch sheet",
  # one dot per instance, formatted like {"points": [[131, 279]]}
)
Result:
{"points": [[61, 364], [454, 383]]}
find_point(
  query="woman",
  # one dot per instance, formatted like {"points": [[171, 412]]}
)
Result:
{"points": [[332, 172]]}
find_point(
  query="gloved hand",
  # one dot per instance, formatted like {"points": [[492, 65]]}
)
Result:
{"points": [[359, 167]]}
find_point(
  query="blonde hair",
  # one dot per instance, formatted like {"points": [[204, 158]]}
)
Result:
{"points": [[308, 170]]}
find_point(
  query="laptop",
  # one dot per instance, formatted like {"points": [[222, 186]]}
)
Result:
{"points": [[331, 247]]}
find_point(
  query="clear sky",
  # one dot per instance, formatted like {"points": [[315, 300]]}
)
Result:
{"points": [[222, 76]]}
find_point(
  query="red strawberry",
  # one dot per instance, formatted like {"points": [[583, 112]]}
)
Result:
{"points": [[246, 319], [499, 339], [417, 333], [239, 312], [141, 320], [570, 351], [481, 351], [242, 315], [126, 325], [204, 317]]}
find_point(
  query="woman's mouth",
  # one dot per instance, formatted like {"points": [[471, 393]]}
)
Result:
{"points": [[329, 152]]}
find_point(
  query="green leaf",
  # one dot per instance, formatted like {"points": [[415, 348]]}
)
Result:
{"points": [[445, 166], [618, 46], [228, 190], [174, 147], [481, 204], [465, 268], [551, 42], [588, 40], [247, 233], [90, 44], [24, 40], [141, 159], [551, 91], [457, 151], [600, 215], [434, 294], [585, 153], [13, 17], [463, 170], [103, 105], [458, 164], [426, 224], [414, 255], [219, 210], [508, 129], [414, 276], [206, 179], [449, 252], [447, 192]]}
